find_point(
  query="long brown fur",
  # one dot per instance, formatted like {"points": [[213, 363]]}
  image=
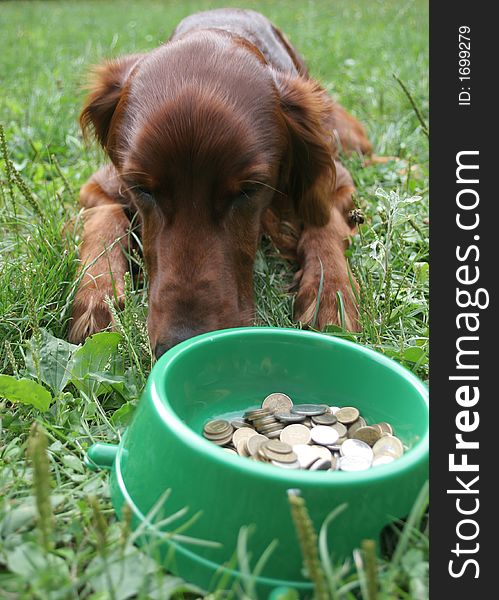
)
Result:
{"points": [[215, 137]]}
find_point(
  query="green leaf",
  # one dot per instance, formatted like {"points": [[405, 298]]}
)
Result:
{"points": [[122, 416], [338, 331], [29, 560], [132, 572], [72, 462], [49, 359], [414, 354], [25, 391], [108, 382], [25, 560], [95, 356]]}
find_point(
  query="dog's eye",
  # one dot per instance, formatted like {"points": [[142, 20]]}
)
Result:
{"points": [[143, 193], [243, 196]]}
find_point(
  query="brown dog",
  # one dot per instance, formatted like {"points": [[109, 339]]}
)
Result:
{"points": [[214, 137]]}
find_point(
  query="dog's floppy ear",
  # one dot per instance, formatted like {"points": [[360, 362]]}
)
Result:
{"points": [[105, 90], [308, 172]]}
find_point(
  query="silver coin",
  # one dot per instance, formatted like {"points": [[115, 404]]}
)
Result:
{"points": [[277, 402], [274, 434], [242, 432], [382, 459], [334, 409], [353, 463], [389, 444], [324, 435], [325, 419], [230, 451], [238, 423], [306, 454], [309, 409], [295, 434], [292, 465], [335, 447], [289, 417], [322, 451], [334, 461], [354, 447]]}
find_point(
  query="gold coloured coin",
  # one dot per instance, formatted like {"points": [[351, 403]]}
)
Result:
{"points": [[253, 443], [274, 434], [278, 446], [270, 427], [347, 415], [360, 422], [268, 454], [264, 421], [218, 436], [386, 428], [258, 413], [341, 429], [223, 441], [217, 426], [242, 447], [367, 434]]}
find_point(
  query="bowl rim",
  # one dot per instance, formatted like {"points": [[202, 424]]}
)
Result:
{"points": [[414, 457]]}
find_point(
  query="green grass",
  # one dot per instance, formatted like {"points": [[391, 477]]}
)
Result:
{"points": [[353, 48]]}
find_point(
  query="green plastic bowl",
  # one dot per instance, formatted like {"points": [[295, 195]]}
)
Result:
{"points": [[224, 373]]}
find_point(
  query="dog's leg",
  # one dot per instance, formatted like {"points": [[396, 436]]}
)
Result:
{"points": [[103, 263], [323, 267]]}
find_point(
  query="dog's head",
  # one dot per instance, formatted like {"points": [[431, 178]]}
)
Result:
{"points": [[203, 133]]}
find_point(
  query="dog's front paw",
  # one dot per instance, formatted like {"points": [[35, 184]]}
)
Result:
{"points": [[318, 307], [90, 313]]}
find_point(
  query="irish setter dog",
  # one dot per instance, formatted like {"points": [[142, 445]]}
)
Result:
{"points": [[216, 136]]}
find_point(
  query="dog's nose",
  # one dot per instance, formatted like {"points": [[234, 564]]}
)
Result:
{"points": [[173, 339]]}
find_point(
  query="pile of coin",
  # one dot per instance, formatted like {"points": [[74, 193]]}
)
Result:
{"points": [[316, 437]]}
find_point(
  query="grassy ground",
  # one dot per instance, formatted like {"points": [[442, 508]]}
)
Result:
{"points": [[353, 48]]}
